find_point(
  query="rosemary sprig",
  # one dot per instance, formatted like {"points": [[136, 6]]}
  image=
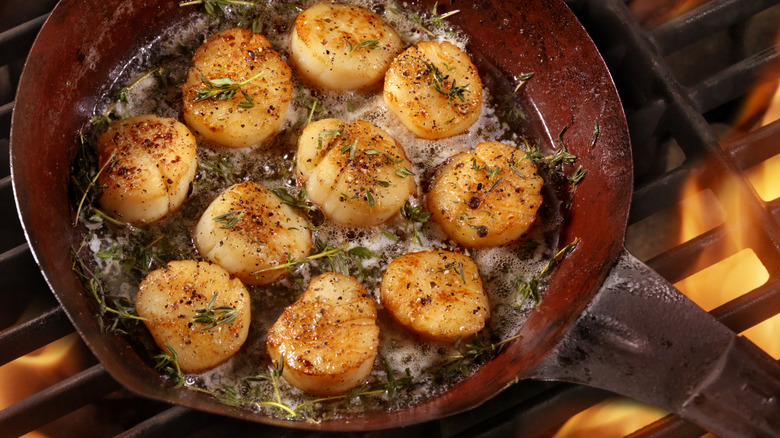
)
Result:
{"points": [[214, 316], [298, 202], [168, 363], [229, 219], [221, 89], [372, 44]]}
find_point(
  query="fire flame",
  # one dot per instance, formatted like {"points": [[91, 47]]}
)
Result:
{"points": [[38, 370]]}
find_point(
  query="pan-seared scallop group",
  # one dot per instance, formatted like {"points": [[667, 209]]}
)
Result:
{"points": [[236, 96]]}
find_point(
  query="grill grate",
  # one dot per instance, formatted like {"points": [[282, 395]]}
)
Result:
{"points": [[660, 108]]}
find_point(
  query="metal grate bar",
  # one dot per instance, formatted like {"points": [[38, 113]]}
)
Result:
{"points": [[29, 336], [756, 146], [15, 43], [732, 82], [57, 400], [704, 21]]}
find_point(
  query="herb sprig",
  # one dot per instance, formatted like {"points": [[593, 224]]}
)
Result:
{"points": [[297, 202], [216, 7], [229, 219], [372, 44], [223, 89], [531, 289], [214, 316], [453, 91]]}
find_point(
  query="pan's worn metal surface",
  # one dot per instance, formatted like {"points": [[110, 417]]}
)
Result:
{"points": [[635, 334]]}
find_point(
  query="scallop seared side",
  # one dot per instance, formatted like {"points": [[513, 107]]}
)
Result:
{"points": [[356, 172], [248, 231], [488, 196], [327, 339], [342, 47], [237, 59], [434, 89], [435, 294], [148, 163], [197, 310]]}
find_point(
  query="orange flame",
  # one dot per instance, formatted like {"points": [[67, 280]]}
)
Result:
{"points": [[38, 370]]}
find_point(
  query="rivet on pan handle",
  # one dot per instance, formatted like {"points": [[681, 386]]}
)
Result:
{"points": [[642, 338]]}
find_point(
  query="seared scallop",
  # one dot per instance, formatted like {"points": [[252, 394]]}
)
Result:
{"points": [[249, 231], [434, 89], [488, 196], [327, 340], [356, 172], [342, 47], [435, 294], [196, 309], [148, 163], [238, 89]]}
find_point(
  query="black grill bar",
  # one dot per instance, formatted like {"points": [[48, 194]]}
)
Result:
{"points": [[15, 43], [56, 401], [732, 82], [658, 107], [24, 338], [709, 19]]}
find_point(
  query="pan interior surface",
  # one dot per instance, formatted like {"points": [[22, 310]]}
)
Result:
{"points": [[571, 97]]}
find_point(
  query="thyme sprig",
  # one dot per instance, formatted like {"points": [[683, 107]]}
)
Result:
{"points": [[348, 261], [111, 310], [273, 376], [229, 219], [214, 316], [92, 184], [436, 20], [216, 7], [297, 202], [531, 289], [440, 84], [222, 89], [413, 216], [478, 349], [292, 262], [372, 44], [491, 171], [168, 364]]}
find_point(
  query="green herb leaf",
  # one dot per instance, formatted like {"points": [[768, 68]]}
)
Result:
{"points": [[369, 44], [298, 202], [229, 219], [220, 88], [213, 316]]}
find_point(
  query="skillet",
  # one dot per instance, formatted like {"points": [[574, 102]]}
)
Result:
{"points": [[606, 320]]}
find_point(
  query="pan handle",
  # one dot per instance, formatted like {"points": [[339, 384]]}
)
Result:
{"points": [[642, 338]]}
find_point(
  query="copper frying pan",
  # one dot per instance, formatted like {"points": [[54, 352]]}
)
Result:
{"points": [[606, 320]]}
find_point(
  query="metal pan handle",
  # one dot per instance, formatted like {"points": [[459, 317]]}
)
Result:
{"points": [[642, 338]]}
